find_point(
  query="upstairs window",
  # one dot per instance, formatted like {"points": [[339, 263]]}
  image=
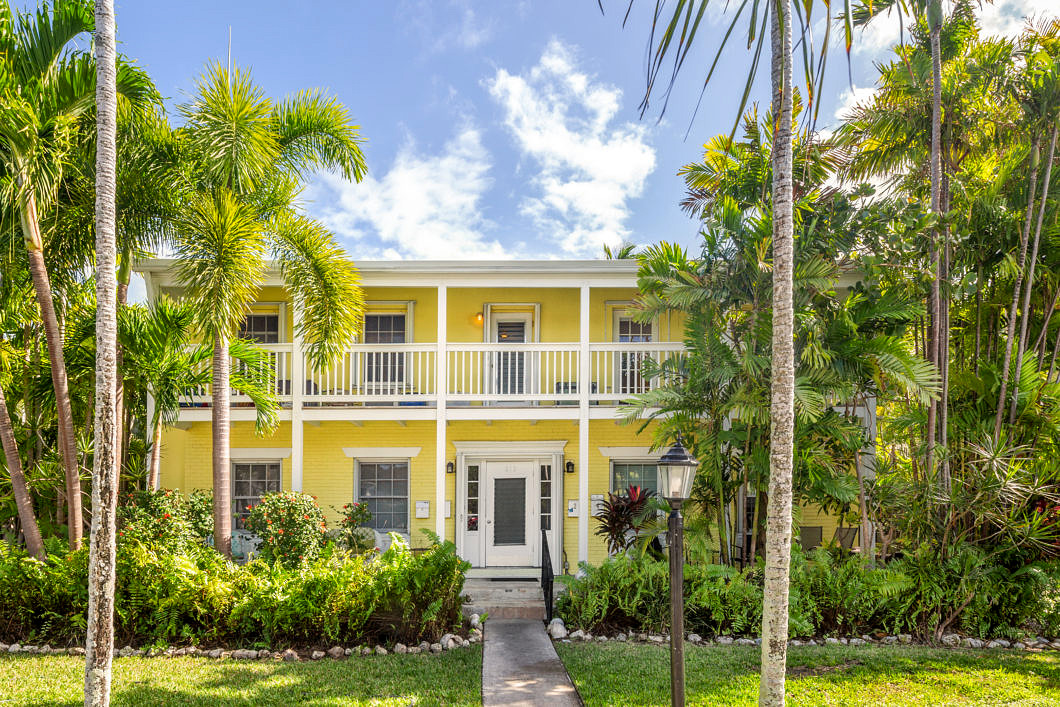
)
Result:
{"points": [[384, 328], [261, 328], [630, 331]]}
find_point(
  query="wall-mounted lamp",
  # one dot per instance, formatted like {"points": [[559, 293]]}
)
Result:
{"points": [[478, 318], [450, 467], [569, 467]]}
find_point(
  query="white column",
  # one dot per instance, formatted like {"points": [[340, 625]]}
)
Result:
{"points": [[441, 388], [584, 387], [150, 436], [297, 390]]}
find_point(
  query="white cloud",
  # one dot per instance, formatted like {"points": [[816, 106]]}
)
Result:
{"points": [[425, 206], [588, 167], [1001, 17], [441, 31]]}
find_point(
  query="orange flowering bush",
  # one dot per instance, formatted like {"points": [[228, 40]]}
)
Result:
{"points": [[291, 527], [156, 518]]}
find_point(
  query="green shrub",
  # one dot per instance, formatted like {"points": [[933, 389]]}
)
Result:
{"points": [[353, 531], [194, 595], [291, 527], [157, 518], [200, 512]]}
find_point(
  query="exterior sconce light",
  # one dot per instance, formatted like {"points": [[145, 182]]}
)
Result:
{"points": [[569, 467], [478, 318], [450, 468]]}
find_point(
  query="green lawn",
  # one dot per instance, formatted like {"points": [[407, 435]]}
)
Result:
{"points": [[454, 678], [613, 673]]}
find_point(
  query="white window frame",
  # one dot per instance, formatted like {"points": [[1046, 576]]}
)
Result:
{"points": [[407, 461], [638, 462]]}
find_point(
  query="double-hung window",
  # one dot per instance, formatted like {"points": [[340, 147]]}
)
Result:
{"points": [[251, 481], [626, 474], [383, 486]]}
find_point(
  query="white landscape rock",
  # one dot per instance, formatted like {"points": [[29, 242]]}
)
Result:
{"points": [[379, 650], [577, 635], [557, 630], [415, 650], [745, 641], [695, 638], [316, 655], [831, 641], [290, 656], [970, 642], [725, 640], [243, 654], [475, 621], [14, 648], [436, 648], [401, 648], [337, 652], [905, 638], [857, 642], [951, 639]]}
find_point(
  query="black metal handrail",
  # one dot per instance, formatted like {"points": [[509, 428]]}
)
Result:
{"points": [[547, 576]]}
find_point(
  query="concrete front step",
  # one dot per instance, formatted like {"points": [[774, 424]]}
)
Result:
{"points": [[504, 599]]}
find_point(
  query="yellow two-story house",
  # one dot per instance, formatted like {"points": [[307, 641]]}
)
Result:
{"points": [[482, 403]]}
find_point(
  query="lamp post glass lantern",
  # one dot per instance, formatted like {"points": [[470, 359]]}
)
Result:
{"points": [[677, 470]]}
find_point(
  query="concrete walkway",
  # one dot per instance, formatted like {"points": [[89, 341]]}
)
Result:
{"points": [[520, 666]]}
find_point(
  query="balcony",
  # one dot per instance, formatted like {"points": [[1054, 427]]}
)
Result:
{"points": [[477, 374]]}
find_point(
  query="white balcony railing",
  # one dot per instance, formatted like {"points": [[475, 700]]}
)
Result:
{"points": [[478, 373], [513, 372], [395, 373], [617, 369]]}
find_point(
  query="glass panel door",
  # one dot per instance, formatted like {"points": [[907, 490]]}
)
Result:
{"points": [[509, 511]]}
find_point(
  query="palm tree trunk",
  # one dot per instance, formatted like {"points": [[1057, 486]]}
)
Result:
{"points": [[101, 570], [153, 470], [979, 313], [222, 472], [782, 394], [1011, 327], [934, 302], [102, 548], [23, 500], [1029, 285], [64, 411]]}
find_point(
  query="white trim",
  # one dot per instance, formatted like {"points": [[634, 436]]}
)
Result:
{"points": [[584, 375], [408, 486], [298, 377], [631, 453], [527, 448], [258, 453], [382, 452], [442, 422]]}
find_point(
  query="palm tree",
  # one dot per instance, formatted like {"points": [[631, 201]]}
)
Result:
{"points": [[249, 156], [162, 360], [99, 645], [46, 90]]}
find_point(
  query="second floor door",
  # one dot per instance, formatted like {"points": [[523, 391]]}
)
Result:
{"points": [[509, 369]]}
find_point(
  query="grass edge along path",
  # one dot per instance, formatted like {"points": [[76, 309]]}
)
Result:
{"points": [[452, 678], [638, 674]]}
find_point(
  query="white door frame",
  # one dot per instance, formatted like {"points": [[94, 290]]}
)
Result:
{"points": [[471, 545], [491, 371]]}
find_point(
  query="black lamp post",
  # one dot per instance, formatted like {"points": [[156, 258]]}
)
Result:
{"points": [[677, 469]]}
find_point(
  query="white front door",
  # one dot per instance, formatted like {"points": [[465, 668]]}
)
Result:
{"points": [[510, 529]]}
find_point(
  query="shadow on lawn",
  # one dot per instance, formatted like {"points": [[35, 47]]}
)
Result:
{"points": [[450, 679], [639, 675]]}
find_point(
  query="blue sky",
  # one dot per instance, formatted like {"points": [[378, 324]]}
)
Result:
{"points": [[494, 129]]}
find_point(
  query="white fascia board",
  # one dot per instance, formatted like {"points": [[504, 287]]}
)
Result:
{"points": [[425, 273], [359, 414], [511, 413], [235, 415]]}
